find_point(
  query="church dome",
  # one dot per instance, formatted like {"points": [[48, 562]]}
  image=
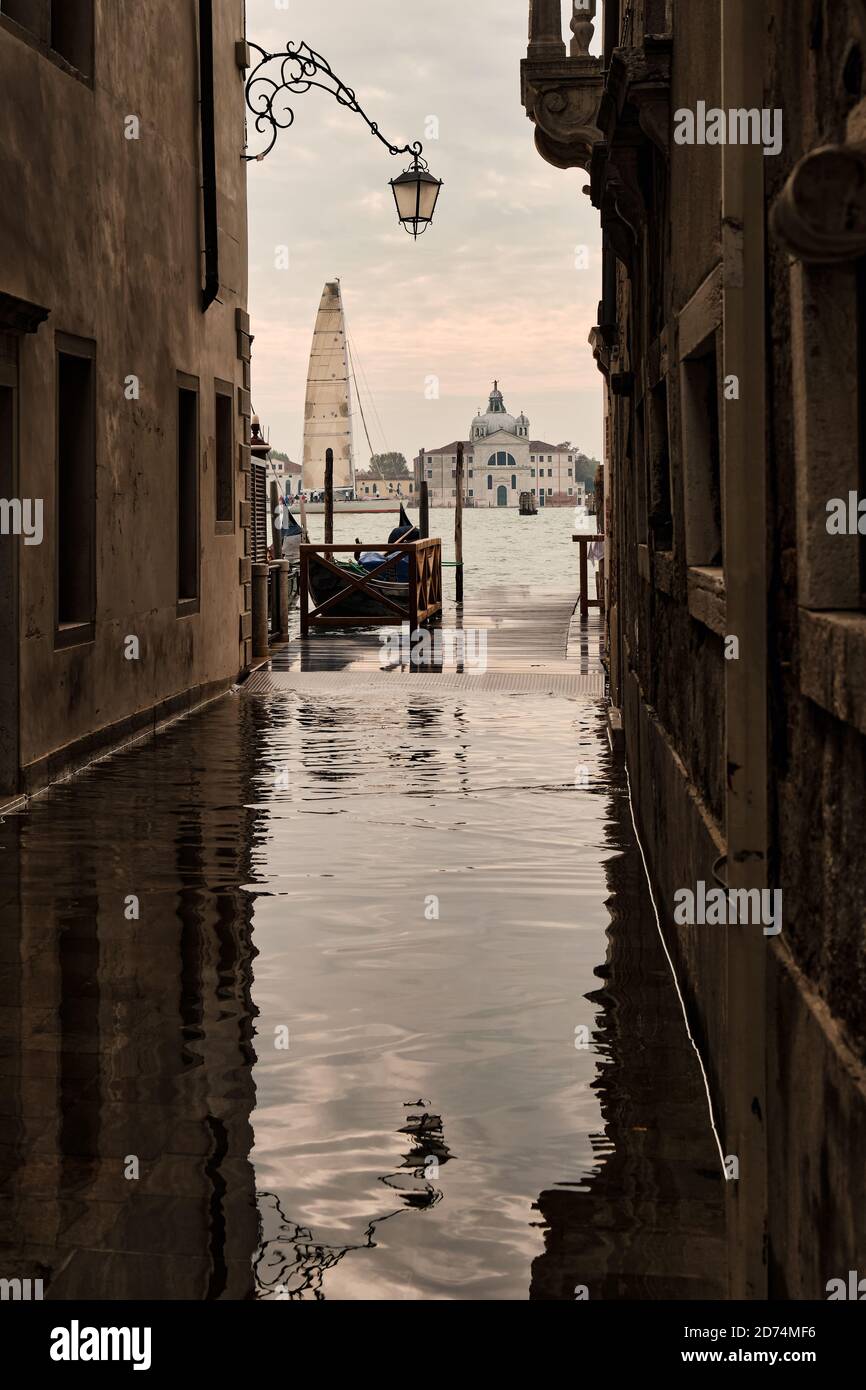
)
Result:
{"points": [[496, 417]]}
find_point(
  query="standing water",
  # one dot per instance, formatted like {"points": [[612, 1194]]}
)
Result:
{"points": [[353, 993]]}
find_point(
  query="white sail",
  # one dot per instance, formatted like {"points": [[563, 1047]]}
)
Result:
{"points": [[327, 419]]}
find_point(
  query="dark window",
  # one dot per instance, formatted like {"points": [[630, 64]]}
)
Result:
{"points": [[72, 32], [861, 333], [76, 484], [660, 519], [225, 498], [8, 569], [514, 480], [187, 495], [489, 480], [66, 26], [702, 460], [32, 15], [640, 489]]}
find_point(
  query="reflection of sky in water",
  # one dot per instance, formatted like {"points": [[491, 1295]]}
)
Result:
{"points": [[432, 1131], [474, 1012]]}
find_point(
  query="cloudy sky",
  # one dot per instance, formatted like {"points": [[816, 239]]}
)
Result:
{"points": [[491, 290]]}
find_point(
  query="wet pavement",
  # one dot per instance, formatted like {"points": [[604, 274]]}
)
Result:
{"points": [[352, 992]]}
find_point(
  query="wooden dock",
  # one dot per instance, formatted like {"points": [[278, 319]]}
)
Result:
{"points": [[515, 638]]}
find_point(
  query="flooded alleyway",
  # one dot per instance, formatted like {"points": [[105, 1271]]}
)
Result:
{"points": [[352, 988]]}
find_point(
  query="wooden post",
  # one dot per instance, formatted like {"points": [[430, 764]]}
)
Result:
{"points": [[424, 512], [282, 577], [584, 581], [304, 592], [458, 523], [302, 502], [413, 593], [275, 531], [329, 497], [261, 579]]}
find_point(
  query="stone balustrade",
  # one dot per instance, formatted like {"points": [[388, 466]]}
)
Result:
{"points": [[562, 90]]}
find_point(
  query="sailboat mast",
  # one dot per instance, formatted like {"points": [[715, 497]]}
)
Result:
{"points": [[360, 402]]}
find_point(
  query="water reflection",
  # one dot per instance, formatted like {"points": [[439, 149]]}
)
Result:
{"points": [[648, 1221], [127, 1056], [291, 1265], [432, 901]]}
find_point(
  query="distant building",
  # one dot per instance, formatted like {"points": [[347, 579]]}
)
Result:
{"points": [[369, 484], [291, 474], [501, 460]]}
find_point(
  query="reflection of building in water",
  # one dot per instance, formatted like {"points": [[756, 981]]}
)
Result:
{"points": [[648, 1222], [292, 1264], [128, 1037]]}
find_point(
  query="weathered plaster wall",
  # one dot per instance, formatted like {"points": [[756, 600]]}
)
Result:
{"points": [[105, 232]]}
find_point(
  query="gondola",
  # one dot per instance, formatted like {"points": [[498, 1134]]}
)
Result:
{"points": [[290, 539], [324, 584]]}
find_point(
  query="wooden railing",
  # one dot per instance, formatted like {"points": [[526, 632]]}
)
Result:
{"points": [[424, 586], [585, 601]]}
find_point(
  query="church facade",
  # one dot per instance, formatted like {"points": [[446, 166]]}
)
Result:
{"points": [[501, 460]]}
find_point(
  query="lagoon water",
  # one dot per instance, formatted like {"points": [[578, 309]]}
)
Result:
{"points": [[352, 994]]}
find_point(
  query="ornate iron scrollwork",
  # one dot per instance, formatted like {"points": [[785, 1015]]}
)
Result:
{"points": [[291, 72]]}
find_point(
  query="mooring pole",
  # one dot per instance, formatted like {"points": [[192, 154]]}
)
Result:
{"points": [[329, 497], [424, 512], [282, 587], [261, 579], [458, 523]]}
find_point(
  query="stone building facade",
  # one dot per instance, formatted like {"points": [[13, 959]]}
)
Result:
{"points": [[724, 144], [500, 461], [124, 371]]}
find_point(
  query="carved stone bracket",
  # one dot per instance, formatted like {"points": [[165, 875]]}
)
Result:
{"points": [[820, 214], [602, 340], [634, 113], [562, 99]]}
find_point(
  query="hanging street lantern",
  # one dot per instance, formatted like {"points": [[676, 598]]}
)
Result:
{"points": [[416, 193], [293, 71]]}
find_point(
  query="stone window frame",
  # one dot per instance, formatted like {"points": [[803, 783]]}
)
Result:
{"points": [[699, 323], [79, 632], [42, 45], [184, 381], [224, 526]]}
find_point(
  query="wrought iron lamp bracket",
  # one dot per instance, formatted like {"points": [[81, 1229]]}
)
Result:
{"points": [[293, 71]]}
